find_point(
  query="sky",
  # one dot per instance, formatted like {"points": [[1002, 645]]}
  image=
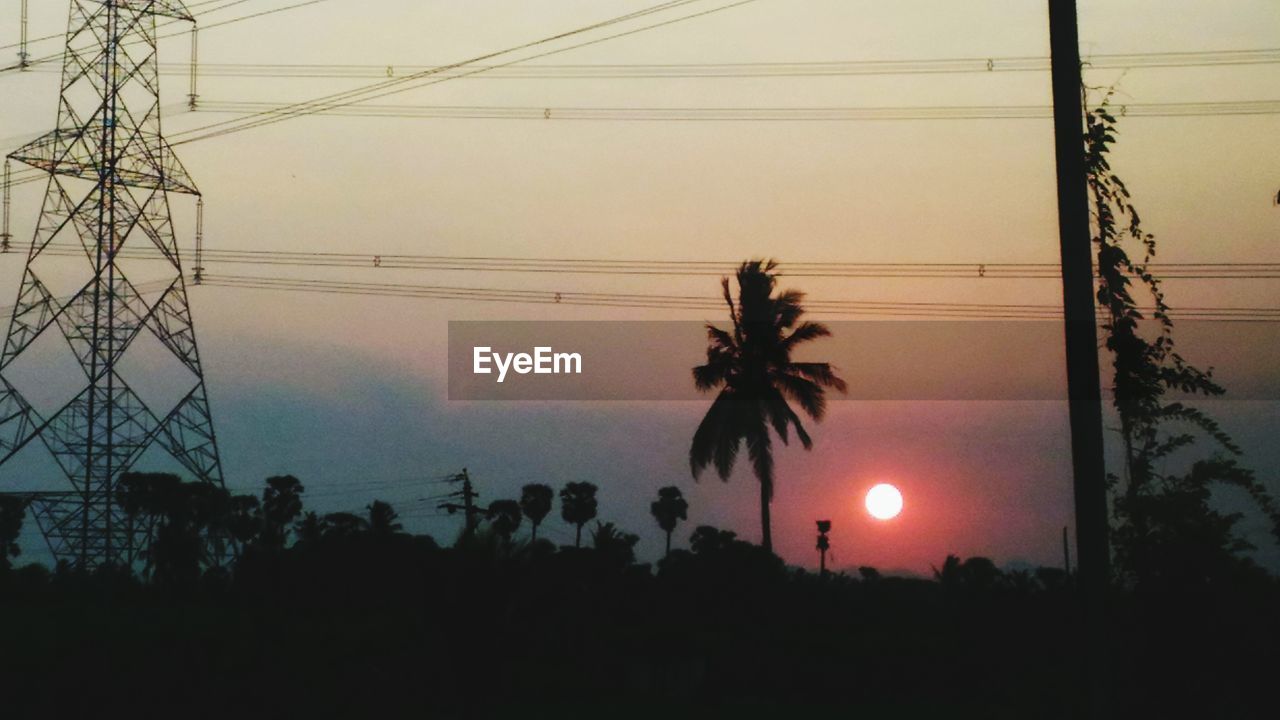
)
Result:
{"points": [[349, 392]]}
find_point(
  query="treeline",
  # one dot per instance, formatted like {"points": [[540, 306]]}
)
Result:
{"points": [[260, 608]]}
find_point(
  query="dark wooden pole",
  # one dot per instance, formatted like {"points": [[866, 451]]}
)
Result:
{"points": [[1083, 378]]}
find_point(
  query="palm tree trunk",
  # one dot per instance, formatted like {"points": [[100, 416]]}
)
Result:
{"points": [[534, 538], [766, 538], [668, 552], [577, 540]]}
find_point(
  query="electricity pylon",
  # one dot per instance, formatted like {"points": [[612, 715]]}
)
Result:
{"points": [[110, 176]]}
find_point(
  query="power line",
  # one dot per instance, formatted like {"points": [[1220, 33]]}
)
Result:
{"points": [[57, 57], [703, 114], [434, 76], [268, 114], [830, 68], [853, 308], [715, 268], [672, 268], [62, 36], [756, 114], [430, 77], [250, 16], [969, 311]]}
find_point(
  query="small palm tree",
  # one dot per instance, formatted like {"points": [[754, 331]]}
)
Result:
{"points": [[751, 366], [578, 506], [614, 544], [535, 503], [669, 509]]}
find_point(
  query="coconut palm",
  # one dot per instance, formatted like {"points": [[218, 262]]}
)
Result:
{"points": [[535, 503], [578, 506], [669, 509], [757, 380]]}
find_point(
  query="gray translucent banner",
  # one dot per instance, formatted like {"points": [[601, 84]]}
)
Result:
{"points": [[880, 360]]}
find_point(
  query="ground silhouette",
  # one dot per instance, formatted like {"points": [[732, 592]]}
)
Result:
{"points": [[347, 615]]}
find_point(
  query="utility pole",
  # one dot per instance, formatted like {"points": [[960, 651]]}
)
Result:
{"points": [[471, 513], [111, 177], [824, 544], [1084, 393]]}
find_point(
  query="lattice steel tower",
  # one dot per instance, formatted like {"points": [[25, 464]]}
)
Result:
{"points": [[110, 175]]}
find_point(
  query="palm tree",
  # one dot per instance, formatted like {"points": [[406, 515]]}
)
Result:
{"points": [[751, 366], [669, 509], [281, 505], [535, 503], [578, 506]]}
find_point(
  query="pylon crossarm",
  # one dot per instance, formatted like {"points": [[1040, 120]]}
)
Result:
{"points": [[163, 8], [157, 168]]}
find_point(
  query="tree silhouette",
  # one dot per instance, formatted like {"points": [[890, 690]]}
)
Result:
{"points": [[757, 380], [281, 505], [245, 521], [13, 510], [1167, 528], [975, 573], [184, 525], [707, 540], [614, 544], [669, 509], [310, 529], [578, 506], [343, 525], [383, 519], [535, 503], [505, 517]]}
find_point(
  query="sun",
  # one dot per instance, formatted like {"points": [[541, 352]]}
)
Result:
{"points": [[884, 502]]}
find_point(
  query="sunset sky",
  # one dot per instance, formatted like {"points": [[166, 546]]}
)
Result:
{"points": [[349, 392]]}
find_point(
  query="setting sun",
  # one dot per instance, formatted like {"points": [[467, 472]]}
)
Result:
{"points": [[884, 502]]}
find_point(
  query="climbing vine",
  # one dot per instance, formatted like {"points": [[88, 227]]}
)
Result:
{"points": [[1165, 529]]}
